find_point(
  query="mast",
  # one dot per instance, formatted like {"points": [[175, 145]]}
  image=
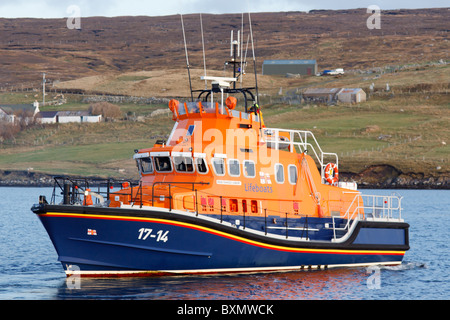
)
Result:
{"points": [[203, 45], [235, 52], [241, 67], [254, 58], [187, 58], [226, 85], [43, 89]]}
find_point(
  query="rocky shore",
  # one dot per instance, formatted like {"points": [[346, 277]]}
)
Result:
{"points": [[25, 179], [389, 177], [374, 177]]}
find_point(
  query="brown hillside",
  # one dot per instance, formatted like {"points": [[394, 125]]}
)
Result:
{"points": [[127, 44]]}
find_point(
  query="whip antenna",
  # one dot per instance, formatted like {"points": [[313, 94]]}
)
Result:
{"points": [[204, 57], [254, 58], [231, 44], [187, 58], [241, 53]]}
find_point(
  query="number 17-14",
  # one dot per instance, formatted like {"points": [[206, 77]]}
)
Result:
{"points": [[145, 233]]}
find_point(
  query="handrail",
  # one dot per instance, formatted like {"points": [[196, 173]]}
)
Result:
{"points": [[373, 207], [303, 144], [170, 183], [73, 187], [347, 216], [366, 207]]}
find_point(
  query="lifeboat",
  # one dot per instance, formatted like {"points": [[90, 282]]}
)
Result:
{"points": [[223, 194]]}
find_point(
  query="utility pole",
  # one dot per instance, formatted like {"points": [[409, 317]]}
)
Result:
{"points": [[43, 89]]}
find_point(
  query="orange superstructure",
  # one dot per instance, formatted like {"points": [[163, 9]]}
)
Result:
{"points": [[218, 160]]}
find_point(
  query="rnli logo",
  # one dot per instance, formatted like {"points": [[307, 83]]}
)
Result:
{"points": [[264, 178], [91, 232]]}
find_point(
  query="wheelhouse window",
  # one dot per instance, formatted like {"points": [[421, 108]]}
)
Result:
{"points": [[190, 130], [234, 169], [279, 173], [200, 165], [218, 166], [183, 164], [292, 171], [146, 165], [249, 169], [163, 164]]}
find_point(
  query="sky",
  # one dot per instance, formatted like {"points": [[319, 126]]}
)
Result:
{"points": [[112, 8]]}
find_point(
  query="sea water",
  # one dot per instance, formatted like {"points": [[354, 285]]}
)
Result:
{"points": [[29, 269]]}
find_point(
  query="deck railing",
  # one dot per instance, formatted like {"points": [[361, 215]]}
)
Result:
{"points": [[169, 195], [369, 208], [305, 141], [74, 191]]}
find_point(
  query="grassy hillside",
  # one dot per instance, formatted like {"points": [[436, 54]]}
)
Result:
{"points": [[82, 149], [335, 39], [406, 129]]}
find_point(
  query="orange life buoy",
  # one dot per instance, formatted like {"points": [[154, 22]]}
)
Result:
{"points": [[173, 104], [331, 173], [231, 102]]}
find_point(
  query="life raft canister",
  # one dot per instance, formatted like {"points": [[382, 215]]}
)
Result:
{"points": [[331, 173], [88, 198]]}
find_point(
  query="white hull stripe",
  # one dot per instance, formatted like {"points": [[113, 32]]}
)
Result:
{"points": [[227, 270]]}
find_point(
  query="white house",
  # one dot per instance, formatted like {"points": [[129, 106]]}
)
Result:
{"points": [[76, 116], [351, 95], [5, 116], [68, 117], [92, 118], [14, 112], [31, 111], [48, 116]]}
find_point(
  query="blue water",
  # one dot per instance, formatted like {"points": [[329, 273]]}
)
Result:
{"points": [[29, 268]]}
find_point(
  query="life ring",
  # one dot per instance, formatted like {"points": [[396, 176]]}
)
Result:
{"points": [[331, 173]]}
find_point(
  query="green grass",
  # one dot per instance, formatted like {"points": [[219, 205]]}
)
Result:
{"points": [[91, 159], [410, 132], [84, 149], [333, 121], [414, 139], [90, 154], [407, 130]]}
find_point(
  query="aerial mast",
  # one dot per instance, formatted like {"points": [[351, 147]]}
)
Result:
{"points": [[43, 89], [235, 52], [204, 55], [254, 58], [187, 58]]}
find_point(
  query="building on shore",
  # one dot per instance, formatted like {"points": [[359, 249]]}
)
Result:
{"points": [[334, 95], [321, 95], [30, 112], [293, 67], [77, 116], [12, 113], [352, 95]]}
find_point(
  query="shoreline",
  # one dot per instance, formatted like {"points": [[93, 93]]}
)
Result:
{"points": [[374, 177]]}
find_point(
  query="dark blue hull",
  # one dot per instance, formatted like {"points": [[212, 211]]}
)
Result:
{"points": [[119, 242]]}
